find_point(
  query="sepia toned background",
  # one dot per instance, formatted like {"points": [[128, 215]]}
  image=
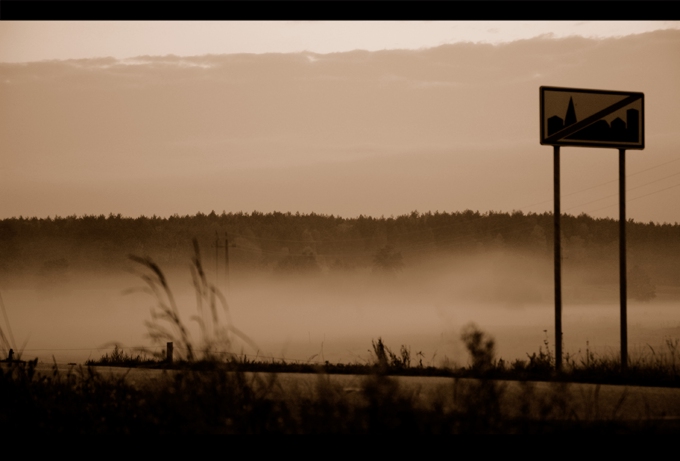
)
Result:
{"points": [[130, 119]]}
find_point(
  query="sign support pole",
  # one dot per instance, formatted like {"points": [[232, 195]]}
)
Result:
{"points": [[622, 259], [561, 125], [558, 261]]}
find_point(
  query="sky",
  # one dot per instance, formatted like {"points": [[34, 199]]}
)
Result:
{"points": [[344, 118]]}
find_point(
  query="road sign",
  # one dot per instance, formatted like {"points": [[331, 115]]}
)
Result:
{"points": [[592, 118]]}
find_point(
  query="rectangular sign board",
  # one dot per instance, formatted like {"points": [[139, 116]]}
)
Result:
{"points": [[592, 118]]}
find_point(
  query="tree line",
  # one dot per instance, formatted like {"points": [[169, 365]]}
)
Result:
{"points": [[306, 242]]}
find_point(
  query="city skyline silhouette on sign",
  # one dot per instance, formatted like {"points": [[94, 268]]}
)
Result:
{"points": [[592, 118]]}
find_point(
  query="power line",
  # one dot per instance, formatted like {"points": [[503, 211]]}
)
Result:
{"points": [[480, 216], [627, 190], [605, 183], [636, 198]]}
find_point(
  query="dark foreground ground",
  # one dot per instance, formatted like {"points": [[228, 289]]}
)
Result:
{"points": [[77, 399]]}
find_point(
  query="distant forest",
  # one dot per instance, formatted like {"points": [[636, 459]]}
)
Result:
{"points": [[294, 242]]}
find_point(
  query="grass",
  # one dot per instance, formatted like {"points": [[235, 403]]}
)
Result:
{"points": [[6, 339], [657, 368], [120, 358], [218, 334]]}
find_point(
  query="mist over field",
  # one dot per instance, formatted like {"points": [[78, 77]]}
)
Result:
{"points": [[334, 315]]}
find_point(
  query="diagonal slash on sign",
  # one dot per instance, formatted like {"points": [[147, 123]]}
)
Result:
{"points": [[593, 118]]}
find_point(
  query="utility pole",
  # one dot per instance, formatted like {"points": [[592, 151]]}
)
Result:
{"points": [[226, 259], [217, 260]]}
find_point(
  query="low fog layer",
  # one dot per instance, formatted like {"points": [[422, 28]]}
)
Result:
{"points": [[335, 315]]}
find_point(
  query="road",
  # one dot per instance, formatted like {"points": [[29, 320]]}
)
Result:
{"points": [[585, 401]]}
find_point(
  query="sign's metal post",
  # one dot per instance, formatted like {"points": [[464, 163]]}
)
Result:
{"points": [[622, 259], [558, 261]]}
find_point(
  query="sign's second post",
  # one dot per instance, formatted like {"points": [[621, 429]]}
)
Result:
{"points": [[623, 286], [558, 260]]}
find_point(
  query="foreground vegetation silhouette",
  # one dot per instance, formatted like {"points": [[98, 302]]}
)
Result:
{"points": [[226, 399]]}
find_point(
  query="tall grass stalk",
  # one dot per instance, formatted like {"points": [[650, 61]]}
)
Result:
{"points": [[218, 334], [7, 342]]}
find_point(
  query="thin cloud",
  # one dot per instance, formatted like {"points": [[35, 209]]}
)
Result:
{"points": [[74, 122]]}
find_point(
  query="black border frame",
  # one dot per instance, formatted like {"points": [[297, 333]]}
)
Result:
{"points": [[183, 10]]}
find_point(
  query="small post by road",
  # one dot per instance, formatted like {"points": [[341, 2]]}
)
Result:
{"points": [[558, 261], [622, 259], [168, 352]]}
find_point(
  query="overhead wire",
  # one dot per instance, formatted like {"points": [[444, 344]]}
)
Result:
{"points": [[627, 190], [605, 183], [475, 216], [636, 198]]}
